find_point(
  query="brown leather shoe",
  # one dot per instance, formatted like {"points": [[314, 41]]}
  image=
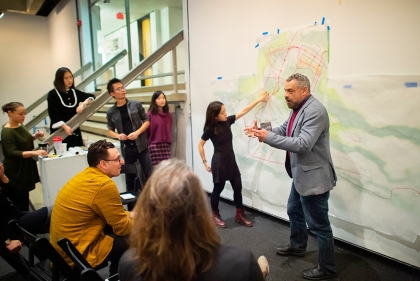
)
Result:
{"points": [[217, 219], [241, 219]]}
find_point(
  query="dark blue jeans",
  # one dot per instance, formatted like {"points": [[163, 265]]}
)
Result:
{"points": [[311, 211]]}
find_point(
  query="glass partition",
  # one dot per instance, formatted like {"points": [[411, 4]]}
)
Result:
{"points": [[151, 24]]}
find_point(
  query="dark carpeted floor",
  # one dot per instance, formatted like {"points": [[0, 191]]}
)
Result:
{"points": [[353, 263]]}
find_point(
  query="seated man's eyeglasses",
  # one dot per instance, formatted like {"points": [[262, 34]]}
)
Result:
{"points": [[120, 88], [118, 159]]}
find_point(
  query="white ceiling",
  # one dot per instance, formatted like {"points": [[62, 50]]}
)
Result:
{"points": [[138, 9]]}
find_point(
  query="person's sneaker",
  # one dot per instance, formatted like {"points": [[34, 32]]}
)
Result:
{"points": [[263, 263], [289, 251]]}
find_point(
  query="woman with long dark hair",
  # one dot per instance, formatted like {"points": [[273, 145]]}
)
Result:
{"points": [[18, 144], [64, 101], [223, 164], [173, 237], [159, 133]]}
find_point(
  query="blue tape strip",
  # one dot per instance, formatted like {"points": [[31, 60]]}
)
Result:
{"points": [[45, 121], [256, 46], [219, 78], [347, 86], [411, 84], [265, 33], [323, 21], [328, 28], [278, 30]]}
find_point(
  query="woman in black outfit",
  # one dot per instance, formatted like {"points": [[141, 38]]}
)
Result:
{"points": [[223, 164], [64, 101]]}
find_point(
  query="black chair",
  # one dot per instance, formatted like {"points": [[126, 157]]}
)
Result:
{"points": [[87, 272], [43, 250], [131, 169], [130, 200], [17, 261]]}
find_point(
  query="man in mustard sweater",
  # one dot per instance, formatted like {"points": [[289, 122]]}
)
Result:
{"points": [[87, 203]]}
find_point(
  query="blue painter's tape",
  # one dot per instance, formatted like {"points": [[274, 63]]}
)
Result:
{"points": [[328, 28], [347, 86], [323, 21], [265, 33], [411, 84], [219, 78], [278, 30], [256, 46]]}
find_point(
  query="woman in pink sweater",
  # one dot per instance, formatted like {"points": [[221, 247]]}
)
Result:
{"points": [[159, 133]]}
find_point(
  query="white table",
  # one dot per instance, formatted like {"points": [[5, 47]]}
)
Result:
{"points": [[56, 172]]}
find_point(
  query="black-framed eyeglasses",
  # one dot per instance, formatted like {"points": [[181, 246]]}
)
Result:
{"points": [[118, 159]]}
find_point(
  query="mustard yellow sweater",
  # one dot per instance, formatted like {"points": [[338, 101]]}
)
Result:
{"points": [[82, 208]]}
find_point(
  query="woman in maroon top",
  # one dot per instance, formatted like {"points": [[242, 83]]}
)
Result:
{"points": [[223, 164], [159, 133]]}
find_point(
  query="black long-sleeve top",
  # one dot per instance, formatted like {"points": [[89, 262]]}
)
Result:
{"points": [[62, 106]]}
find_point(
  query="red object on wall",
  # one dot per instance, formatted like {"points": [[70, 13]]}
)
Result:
{"points": [[79, 23], [120, 16]]}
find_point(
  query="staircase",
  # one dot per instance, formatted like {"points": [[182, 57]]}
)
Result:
{"points": [[96, 124]]}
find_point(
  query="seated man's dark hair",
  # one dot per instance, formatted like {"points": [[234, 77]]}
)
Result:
{"points": [[98, 151]]}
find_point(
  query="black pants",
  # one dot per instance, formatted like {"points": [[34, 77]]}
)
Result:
{"points": [[236, 183], [131, 155], [119, 247], [36, 222]]}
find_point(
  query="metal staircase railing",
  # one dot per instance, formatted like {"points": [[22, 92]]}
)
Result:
{"points": [[104, 97], [80, 86], [44, 97]]}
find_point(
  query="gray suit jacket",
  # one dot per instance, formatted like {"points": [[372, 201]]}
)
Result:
{"points": [[309, 146]]}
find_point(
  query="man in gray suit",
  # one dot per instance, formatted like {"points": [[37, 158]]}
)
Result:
{"points": [[305, 137]]}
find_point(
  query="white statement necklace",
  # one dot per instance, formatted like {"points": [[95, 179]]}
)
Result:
{"points": [[62, 102]]}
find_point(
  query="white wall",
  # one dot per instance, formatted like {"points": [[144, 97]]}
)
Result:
{"points": [[368, 37], [25, 60], [64, 39], [32, 49]]}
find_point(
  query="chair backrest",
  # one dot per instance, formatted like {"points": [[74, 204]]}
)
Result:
{"points": [[73, 254], [87, 273], [44, 247]]}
